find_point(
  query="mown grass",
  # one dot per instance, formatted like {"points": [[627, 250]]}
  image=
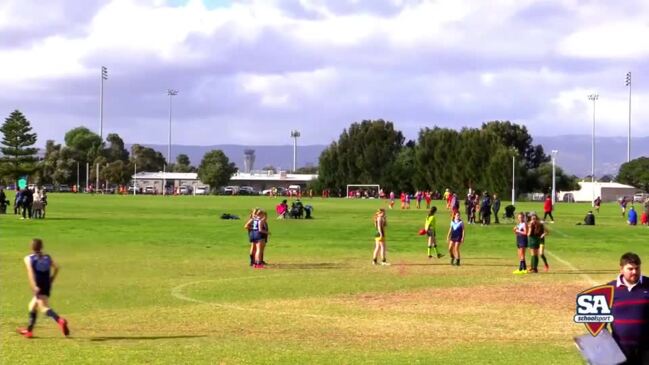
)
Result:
{"points": [[163, 280]]}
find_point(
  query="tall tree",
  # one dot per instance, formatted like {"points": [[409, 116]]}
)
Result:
{"points": [[635, 173], [115, 150], [147, 159], [85, 144], [216, 169], [364, 154], [470, 158], [543, 177], [19, 158], [183, 164], [516, 136]]}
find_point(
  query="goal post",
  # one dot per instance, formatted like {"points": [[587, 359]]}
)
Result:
{"points": [[363, 190]]}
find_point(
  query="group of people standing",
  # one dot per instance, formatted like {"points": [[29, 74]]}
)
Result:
{"points": [[30, 203], [530, 234]]}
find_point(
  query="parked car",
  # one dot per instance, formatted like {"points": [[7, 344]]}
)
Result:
{"points": [[201, 190], [63, 188], [230, 190], [247, 190], [131, 188], [184, 190], [149, 190], [11, 187], [640, 197], [48, 187], [279, 191]]}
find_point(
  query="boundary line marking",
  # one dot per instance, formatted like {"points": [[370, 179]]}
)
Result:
{"points": [[177, 292], [568, 264]]}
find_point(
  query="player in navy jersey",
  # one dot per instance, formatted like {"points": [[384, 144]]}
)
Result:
{"points": [[248, 227], [455, 238], [520, 230], [255, 231], [41, 271]]}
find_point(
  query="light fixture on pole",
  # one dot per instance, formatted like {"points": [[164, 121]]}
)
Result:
{"points": [[593, 98], [295, 134], [628, 144], [554, 181], [104, 76]]}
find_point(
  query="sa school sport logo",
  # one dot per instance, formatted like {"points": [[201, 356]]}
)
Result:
{"points": [[594, 308]]}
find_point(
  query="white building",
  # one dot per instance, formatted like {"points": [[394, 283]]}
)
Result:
{"points": [[608, 191], [257, 179]]}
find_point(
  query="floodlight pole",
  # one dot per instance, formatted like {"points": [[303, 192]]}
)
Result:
{"points": [[554, 180], [628, 145], [171, 93], [295, 134], [104, 76], [594, 98]]}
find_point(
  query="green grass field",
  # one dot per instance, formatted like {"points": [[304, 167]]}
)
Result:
{"points": [[163, 280]]}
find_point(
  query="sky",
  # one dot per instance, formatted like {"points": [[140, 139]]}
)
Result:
{"points": [[250, 71]]}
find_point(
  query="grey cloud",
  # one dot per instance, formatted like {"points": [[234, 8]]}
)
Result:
{"points": [[49, 18]]}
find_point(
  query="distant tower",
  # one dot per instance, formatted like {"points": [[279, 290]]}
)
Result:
{"points": [[248, 160]]}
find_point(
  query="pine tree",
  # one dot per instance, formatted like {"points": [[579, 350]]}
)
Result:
{"points": [[19, 158]]}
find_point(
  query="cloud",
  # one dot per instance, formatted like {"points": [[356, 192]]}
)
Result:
{"points": [[250, 71]]}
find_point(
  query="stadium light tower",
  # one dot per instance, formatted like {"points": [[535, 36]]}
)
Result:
{"points": [[628, 144], [594, 98], [171, 93], [554, 179], [295, 134], [104, 76]]}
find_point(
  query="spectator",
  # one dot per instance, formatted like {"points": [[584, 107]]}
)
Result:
{"points": [[3, 202], [631, 310], [485, 209], [18, 201], [547, 209], [633, 217], [282, 209], [589, 220], [496, 207]]}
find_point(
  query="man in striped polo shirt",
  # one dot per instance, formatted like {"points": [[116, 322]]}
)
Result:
{"points": [[631, 310]]}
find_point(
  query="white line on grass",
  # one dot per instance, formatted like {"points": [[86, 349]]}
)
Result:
{"points": [[177, 292], [570, 266]]}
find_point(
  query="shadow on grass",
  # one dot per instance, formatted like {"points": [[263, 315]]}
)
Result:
{"points": [[136, 338], [446, 263], [577, 272], [308, 266], [64, 219]]}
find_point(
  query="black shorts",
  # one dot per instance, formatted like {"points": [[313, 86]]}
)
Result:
{"points": [[45, 289], [430, 233]]}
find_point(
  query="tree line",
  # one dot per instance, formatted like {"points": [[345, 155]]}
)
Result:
{"points": [[369, 152], [374, 152], [66, 164]]}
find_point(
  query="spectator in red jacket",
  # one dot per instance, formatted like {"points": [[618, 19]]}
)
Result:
{"points": [[547, 209]]}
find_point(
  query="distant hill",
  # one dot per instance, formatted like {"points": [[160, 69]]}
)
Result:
{"points": [[574, 153]]}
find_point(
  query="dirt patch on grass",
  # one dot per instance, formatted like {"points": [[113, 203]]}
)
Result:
{"points": [[514, 313]]}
